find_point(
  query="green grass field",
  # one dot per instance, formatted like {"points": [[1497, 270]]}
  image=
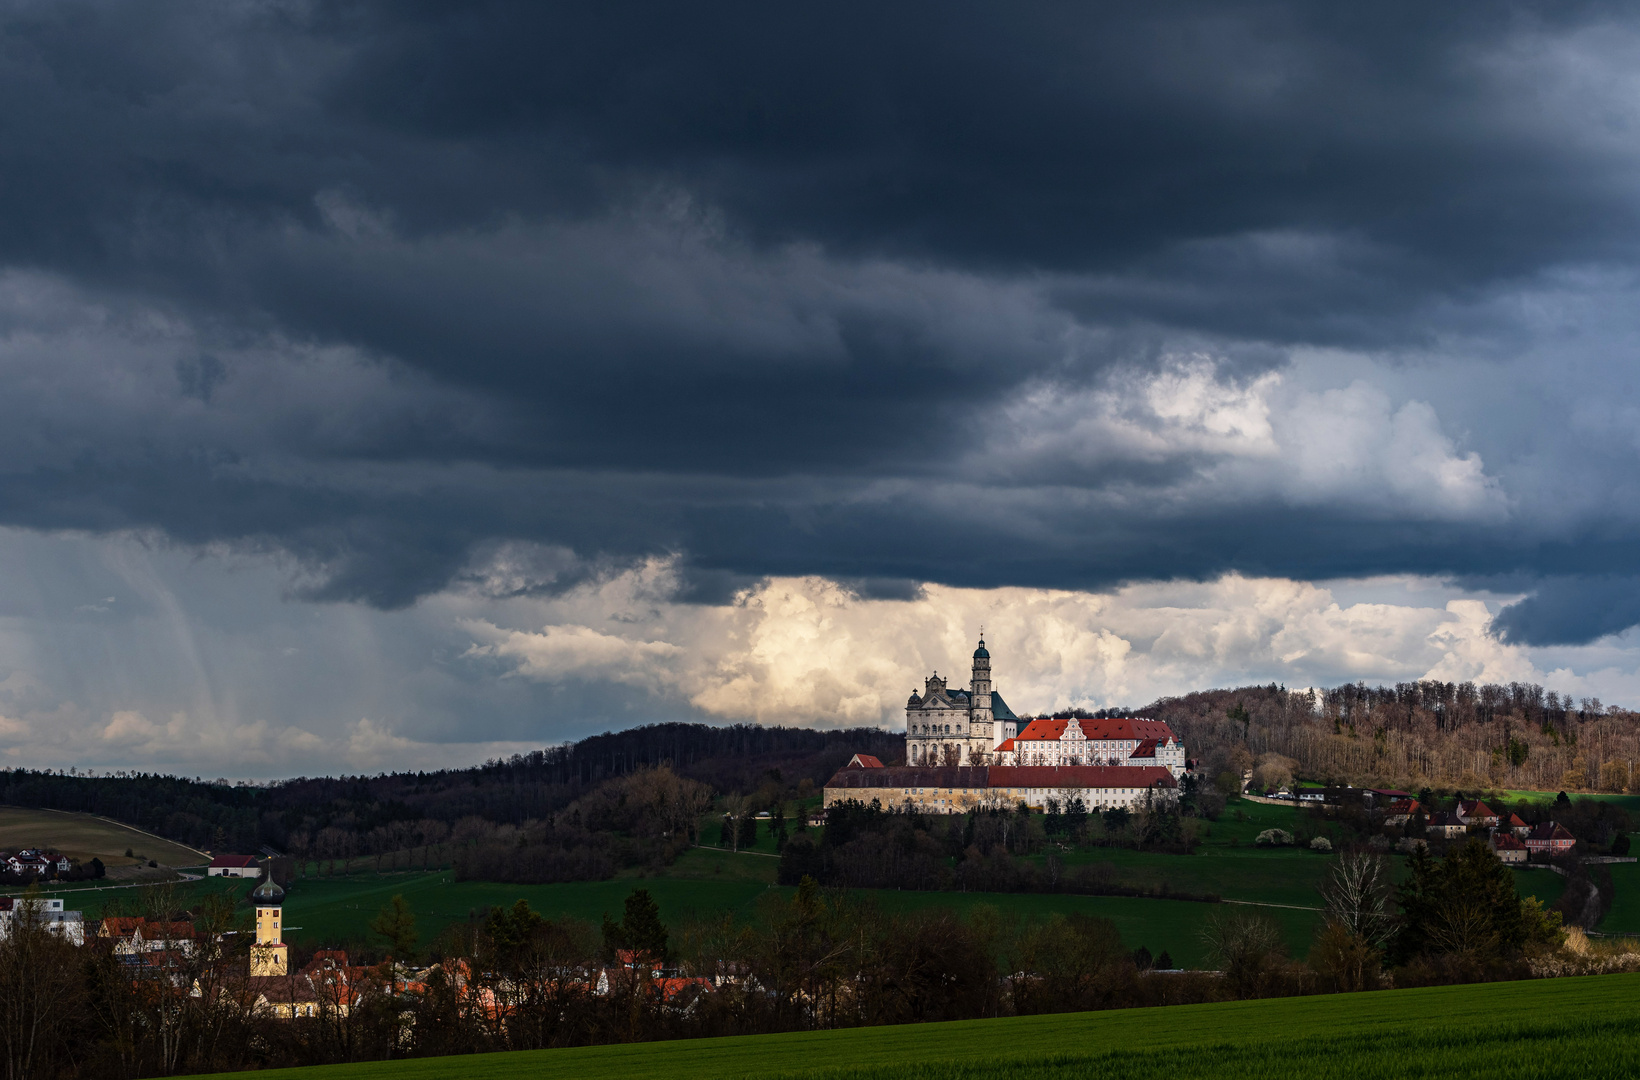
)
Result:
{"points": [[1624, 916], [1631, 803], [1582, 1027], [710, 882], [336, 911]]}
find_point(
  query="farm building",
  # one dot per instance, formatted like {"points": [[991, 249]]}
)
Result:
{"points": [[243, 866]]}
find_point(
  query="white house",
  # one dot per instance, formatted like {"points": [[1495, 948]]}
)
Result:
{"points": [[36, 861], [68, 924], [242, 866]]}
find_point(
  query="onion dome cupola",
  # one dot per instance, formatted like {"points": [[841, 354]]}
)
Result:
{"points": [[981, 653], [268, 894]]}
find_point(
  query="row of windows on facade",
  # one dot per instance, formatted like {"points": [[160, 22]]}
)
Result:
{"points": [[1026, 792]]}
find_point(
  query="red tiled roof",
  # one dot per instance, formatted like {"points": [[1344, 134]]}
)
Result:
{"points": [[1507, 842], [1006, 747], [864, 761], [1134, 728], [1144, 749], [1043, 729], [1515, 822], [234, 860]]}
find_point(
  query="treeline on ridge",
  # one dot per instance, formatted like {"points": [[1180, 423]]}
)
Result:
{"points": [[1441, 735], [556, 799]]}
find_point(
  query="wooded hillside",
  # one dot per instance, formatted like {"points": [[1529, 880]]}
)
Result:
{"points": [[1413, 735]]}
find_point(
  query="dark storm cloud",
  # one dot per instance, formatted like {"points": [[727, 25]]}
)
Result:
{"points": [[759, 286], [1571, 611]]}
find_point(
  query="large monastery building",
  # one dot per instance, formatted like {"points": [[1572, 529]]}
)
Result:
{"points": [[966, 748]]}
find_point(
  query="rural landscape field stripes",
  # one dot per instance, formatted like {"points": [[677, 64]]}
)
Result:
{"points": [[1560, 1028]]}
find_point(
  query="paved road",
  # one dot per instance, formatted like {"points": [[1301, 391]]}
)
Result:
{"points": [[71, 891]]}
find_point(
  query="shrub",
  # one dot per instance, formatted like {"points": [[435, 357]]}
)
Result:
{"points": [[1321, 843], [1274, 838]]}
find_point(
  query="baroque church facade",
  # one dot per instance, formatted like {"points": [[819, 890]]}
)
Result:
{"points": [[946, 726]]}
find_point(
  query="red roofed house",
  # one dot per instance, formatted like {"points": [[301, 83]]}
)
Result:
{"points": [[1400, 812], [1444, 824], [135, 936], [863, 761], [233, 866], [28, 861], [1508, 847], [1550, 838], [1475, 812], [1517, 826]]}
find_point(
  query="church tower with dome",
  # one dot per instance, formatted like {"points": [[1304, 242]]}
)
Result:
{"points": [[268, 954], [945, 726]]}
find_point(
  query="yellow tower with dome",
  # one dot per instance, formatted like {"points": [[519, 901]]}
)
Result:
{"points": [[268, 954]]}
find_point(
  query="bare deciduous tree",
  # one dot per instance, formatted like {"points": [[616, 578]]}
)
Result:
{"points": [[1247, 946], [1356, 894]]}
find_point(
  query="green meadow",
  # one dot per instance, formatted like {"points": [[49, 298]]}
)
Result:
{"points": [[336, 910], [709, 882], [1584, 1027], [1631, 803]]}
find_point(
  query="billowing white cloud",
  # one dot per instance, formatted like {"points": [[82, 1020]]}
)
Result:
{"points": [[807, 650], [1346, 447]]}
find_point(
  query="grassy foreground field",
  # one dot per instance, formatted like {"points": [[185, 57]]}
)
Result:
{"points": [[1583, 1027]]}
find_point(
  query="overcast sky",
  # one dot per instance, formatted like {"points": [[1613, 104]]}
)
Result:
{"points": [[392, 385]]}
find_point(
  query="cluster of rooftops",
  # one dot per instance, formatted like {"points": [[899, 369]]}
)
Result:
{"points": [[1507, 833]]}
